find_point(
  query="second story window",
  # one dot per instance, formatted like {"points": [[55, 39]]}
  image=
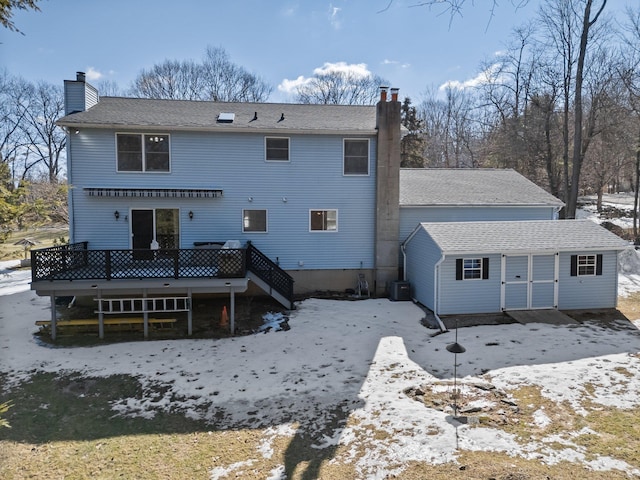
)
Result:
{"points": [[277, 149], [143, 153], [356, 157]]}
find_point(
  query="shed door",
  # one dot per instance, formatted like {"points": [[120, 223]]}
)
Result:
{"points": [[529, 282], [543, 281], [515, 282]]}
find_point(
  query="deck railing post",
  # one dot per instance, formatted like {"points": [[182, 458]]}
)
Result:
{"points": [[176, 263], [107, 264]]}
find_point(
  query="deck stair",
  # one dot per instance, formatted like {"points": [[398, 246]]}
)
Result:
{"points": [[268, 275]]}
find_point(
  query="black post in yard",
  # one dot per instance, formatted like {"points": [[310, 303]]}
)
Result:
{"points": [[455, 348]]}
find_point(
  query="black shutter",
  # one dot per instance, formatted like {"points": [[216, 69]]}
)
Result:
{"points": [[485, 268], [599, 264], [458, 269], [574, 265]]}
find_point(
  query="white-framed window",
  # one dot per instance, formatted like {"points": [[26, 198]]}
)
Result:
{"points": [[356, 156], [254, 221], [323, 220], [472, 268], [586, 265], [138, 152], [276, 149]]}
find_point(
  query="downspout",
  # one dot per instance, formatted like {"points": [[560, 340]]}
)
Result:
{"points": [[436, 277]]}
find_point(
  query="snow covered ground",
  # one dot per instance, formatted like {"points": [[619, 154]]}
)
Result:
{"points": [[356, 358]]}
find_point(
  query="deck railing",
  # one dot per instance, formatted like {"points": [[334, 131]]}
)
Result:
{"points": [[270, 272], [77, 262]]}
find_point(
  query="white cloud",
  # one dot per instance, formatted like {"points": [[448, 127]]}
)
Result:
{"points": [[352, 69], [333, 17], [386, 61], [290, 86], [488, 75], [93, 74]]}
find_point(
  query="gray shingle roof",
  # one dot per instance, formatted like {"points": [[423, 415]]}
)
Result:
{"points": [[120, 112], [522, 237], [446, 186]]}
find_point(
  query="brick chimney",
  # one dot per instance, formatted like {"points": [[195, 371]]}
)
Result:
{"points": [[387, 243]]}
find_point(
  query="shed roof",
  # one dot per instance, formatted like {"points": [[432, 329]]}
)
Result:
{"points": [[522, 237], [142, 113], [470, 187]]}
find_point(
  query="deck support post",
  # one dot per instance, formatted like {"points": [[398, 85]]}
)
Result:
{"points": [[232, 310], [100, 316], [145, 313], [189, 313], [53, 316]]}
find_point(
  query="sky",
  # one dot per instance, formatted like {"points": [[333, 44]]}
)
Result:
{"points": [[414, 47]]}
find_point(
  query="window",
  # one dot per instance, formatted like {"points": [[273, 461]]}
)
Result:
{"points": [[356, 157], [586, 265], [142, 153], [472, 268], [277, 149], [254, 220], [323, 220]]}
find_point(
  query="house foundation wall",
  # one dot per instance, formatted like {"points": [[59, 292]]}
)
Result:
{"points": [[310, 281]]}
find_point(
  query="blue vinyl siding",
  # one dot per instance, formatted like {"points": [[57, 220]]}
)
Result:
{"points": [[469, 296], [410, 217], [422, 257], [235, 163], [598, 291]]}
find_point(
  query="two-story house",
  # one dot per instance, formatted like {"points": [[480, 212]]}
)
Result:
{"points": [[171, 199], [301, 196]]}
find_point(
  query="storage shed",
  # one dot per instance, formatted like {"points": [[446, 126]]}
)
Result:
{"points": [[488, 267]]}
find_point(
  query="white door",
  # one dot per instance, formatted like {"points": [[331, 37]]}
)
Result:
{"points": [[529, 281]]}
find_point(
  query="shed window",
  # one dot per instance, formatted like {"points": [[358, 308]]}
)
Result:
{"points": [[586, 265], [472, 269]]}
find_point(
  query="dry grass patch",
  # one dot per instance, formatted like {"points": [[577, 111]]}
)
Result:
{"points": [[43, 235]]}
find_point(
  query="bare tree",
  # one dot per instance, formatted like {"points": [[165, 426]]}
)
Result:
{"points": [[450, 128], [47, 141], [340, 87], [171, 80], [14, 100], [215, 78], [225, 81], [569, 30], [630, 77]]}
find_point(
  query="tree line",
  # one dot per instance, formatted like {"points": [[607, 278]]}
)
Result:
{"points": [[561, 105]]}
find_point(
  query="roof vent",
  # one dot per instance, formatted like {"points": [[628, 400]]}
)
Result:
{"points": [[226, 117]]}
